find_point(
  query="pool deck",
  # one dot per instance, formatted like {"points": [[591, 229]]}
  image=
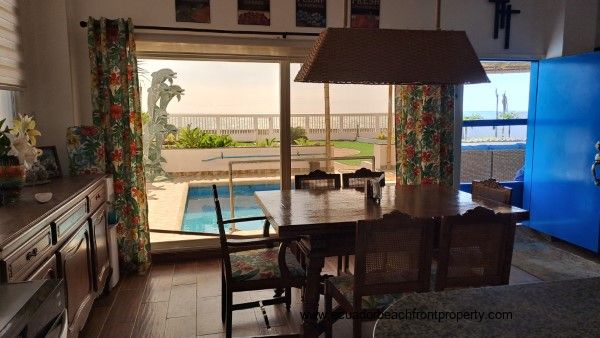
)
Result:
{"points": [[166, 205]]}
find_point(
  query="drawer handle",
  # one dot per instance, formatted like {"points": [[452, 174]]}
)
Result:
{"points": [[97, 196], [31, 254]]}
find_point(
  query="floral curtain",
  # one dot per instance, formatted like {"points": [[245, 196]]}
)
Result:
{"points": [[424, 134], [117, 110]]}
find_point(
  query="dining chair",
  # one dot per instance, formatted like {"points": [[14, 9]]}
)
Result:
{"points": [[393, 255], [357, 179], [475, 249], [317, 179], [492, 190], [254, 264]]}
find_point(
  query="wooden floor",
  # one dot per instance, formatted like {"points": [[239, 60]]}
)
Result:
{"points": [[183, 300]]}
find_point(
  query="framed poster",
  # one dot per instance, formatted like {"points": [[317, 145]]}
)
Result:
{"points": [[254, 12], [311, 13], [192, 11], [364, 13], [49, 160]]}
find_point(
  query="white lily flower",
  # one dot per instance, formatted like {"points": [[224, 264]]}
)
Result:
{"points": [[23, 150]]}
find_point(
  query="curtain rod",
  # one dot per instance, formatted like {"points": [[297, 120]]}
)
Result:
{"points": [[218, 31]]}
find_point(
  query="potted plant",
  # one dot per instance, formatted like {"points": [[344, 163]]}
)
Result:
{"points": [[17, 154]]}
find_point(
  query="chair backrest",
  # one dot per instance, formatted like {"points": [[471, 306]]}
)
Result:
{"points": [[492, 190], [86, 150], [357, 178], [393, 255], [475, 249], [317, 179], [222, 234]]}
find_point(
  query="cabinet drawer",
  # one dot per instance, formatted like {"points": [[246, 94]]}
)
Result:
{"points": [[67, 223], [28, 256], [97, 197], [48, 270]]}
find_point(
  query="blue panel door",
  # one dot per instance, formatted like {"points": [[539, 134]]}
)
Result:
{"points": [[564, 201]]}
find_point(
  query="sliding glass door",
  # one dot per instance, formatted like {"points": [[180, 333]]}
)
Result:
{"points": [[220, 121]]}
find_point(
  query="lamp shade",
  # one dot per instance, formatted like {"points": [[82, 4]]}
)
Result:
{"points": [[391, 56]]}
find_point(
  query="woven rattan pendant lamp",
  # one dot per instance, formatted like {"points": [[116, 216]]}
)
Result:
{"points": [[392, 56]]}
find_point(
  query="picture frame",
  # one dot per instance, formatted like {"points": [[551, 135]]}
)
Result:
{"points": [[254, 12], [364, 13], [49, 160], [192, 11], [311, 13]]}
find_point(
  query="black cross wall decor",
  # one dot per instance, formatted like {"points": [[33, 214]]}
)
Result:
{"points": [[502, 18]]}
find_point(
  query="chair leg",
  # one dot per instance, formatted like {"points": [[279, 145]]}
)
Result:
{"points": [[278, 292], [223, 298], [356, 328], [223, 305], [288, 298], [328, 314], [229, 318], [339, 265], [347, 264]]}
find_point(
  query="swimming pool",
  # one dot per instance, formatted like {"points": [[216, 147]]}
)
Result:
{"points": [[200, 214]]}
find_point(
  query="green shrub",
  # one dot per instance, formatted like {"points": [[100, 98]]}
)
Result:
{"points": [[473, 116], [298, 133], [267, 143], [194, 138]]}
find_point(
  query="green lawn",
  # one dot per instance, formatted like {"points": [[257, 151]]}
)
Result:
{"points": [[365, 149]]}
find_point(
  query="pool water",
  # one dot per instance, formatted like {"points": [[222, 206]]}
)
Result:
{"points": [[200, 213]]}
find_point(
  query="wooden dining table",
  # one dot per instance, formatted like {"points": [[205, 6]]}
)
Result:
{"points": [[326, 219]]}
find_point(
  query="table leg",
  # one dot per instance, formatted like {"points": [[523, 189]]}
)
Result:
{"points": [[310, 305]]}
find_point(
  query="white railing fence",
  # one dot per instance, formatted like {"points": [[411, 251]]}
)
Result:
{"points": [[254, 127]]}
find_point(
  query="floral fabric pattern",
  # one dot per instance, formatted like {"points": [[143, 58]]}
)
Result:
{"points": [[345, 285], [262, 264], [85, 146], [117, 111], [424, 134]]}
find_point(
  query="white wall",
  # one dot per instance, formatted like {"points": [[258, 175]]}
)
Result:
{"points": [[57, 56], [49, 93], [556, 28], [573, 29], [580, 26]]}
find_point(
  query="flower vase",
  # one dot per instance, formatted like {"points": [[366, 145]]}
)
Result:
{"points": [[12, 178]]}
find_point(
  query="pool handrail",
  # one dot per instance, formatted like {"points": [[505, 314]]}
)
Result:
{"points": [[278, 159]]}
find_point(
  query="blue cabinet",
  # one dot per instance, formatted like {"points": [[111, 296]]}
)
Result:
{"points": [[564, 127]]}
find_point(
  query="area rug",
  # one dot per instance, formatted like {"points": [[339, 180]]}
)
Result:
{"points": [[539, 257]]}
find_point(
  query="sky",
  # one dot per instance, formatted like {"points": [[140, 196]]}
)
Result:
{"points": [[217, 87]]}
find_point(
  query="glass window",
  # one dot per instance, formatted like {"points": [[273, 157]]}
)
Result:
{"points": [[7, 105], [498, 150], [358, 125]]}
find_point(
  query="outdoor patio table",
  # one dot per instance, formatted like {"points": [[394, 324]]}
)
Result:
{"points": [[327, 218]]}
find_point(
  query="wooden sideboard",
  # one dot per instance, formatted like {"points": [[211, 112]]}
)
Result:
{"points": [[64, 238]]}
